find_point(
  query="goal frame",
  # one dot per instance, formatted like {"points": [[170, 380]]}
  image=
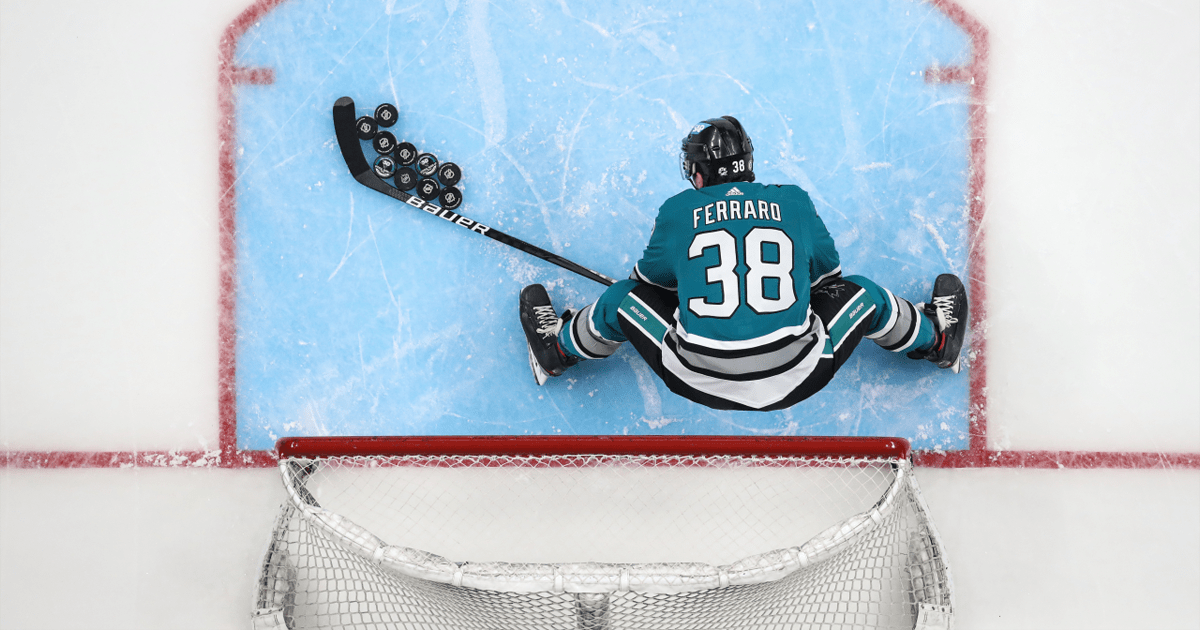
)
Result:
{"points": [[597, 588], [534, 445]]}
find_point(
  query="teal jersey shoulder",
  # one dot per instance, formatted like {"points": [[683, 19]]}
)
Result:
{"points": [[742, 256]]}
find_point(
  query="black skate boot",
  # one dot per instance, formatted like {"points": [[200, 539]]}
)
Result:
{"points": [[948, 311], [541, 326]]}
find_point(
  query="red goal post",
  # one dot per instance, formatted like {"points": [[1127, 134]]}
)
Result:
{"points": [[746, 446], [602, 532]]}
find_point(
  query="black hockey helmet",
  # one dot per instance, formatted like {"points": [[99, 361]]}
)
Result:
{"points": [[719, 150]]}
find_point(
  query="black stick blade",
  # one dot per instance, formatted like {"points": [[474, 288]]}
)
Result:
{"points": [[356, 161], [347, 137]]}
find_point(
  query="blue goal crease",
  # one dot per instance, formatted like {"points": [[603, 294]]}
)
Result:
{"points": [[359, 315]]}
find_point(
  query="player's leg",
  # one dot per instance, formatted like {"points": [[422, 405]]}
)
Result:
{"points": [[641, 314], [637, 312], [595, 332], [632, 311], [924, 331], [897, 325], [846, 312], [644, 316], [558, 342]]}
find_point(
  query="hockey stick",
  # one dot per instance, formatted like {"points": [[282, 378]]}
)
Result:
{"points": [[347, 137]]}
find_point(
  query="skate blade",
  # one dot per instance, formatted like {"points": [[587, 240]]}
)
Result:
{"points": [[957, 367], [539, 375]]}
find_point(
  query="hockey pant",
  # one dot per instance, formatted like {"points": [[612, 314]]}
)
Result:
{"points": [[778, 375]]}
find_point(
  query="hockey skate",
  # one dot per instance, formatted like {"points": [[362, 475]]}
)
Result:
{"points": [[541, 326], [948, 311]]}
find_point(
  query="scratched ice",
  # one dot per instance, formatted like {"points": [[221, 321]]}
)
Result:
{"points": [[358, 315]]}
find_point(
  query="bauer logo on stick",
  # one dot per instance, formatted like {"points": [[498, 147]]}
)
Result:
{"points": [[350, 138]]}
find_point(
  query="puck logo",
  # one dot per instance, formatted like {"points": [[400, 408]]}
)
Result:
{"points": [[406, 153], [427, 164], [450, 198], [384, 142], [385, 166], [428, 189], [450, 174], [406, 178], [386, 114], [366, 128]]}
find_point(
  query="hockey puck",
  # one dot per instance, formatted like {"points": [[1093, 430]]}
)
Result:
{"points": [[450, 174], [450, 198], [428, 189], [406, 153], [366, 127], [406, 179], [386, 115], [427, 164], [384, 142], [385, 166]]}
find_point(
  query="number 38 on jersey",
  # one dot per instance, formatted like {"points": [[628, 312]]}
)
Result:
{"points": [[762, 273]]}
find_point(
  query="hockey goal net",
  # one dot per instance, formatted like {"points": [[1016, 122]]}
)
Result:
{"points": [[591, 533]]}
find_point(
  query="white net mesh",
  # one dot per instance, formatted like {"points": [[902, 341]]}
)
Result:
{"points": [[602, 542]]}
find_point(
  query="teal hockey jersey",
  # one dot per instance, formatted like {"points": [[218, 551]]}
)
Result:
{"points": [[743, 258]]}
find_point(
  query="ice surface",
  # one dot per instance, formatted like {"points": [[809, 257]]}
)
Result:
{"points": [[108, 318], [357, 315]]}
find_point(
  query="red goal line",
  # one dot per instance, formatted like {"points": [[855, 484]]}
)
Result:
{"points": [[925, 459], [983, 458]]}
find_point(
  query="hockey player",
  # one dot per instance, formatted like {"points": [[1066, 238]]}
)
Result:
{"points": [[738, 301]]}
